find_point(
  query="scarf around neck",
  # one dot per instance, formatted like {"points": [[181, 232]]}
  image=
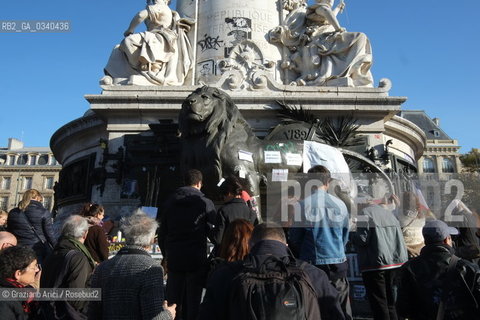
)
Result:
{"points": [[28, 304], [80, 246]]}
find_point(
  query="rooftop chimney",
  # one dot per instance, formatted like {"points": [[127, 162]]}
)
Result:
{"points": [[14, 144], [436, 121]]}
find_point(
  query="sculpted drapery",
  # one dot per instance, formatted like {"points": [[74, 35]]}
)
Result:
{"points": [[320, 51], [162, 54]]}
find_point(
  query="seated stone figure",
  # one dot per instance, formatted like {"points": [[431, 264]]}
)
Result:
{"points": [[321, 51], [162, 54]]}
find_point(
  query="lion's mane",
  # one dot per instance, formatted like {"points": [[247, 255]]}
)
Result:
{"points": [[213, 132]]}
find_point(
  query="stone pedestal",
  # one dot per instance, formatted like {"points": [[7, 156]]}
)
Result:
{"points": [[120, 120]]}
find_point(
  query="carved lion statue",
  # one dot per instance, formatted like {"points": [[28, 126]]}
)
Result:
{"points": [[214, 136], [218, 141]]}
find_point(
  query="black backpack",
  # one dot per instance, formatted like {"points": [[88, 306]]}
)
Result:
{"points": [[276, 289], [53, 310]]}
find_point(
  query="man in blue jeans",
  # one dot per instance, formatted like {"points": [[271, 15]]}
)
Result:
{"points": [[322, 238]]}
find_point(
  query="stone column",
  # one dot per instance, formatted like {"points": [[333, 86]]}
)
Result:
{"points": [[458, 165], [439, 164], [420, 165], [32, 156], [224, 25]]}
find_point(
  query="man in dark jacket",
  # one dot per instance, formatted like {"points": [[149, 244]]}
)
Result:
{"points": [[438, 281], [69, 266], [381, 251], [234, 207], [187, 220], [266, 241]]}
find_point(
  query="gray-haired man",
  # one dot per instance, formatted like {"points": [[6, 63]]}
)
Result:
{"points": [[69, 266], [132, 281]]}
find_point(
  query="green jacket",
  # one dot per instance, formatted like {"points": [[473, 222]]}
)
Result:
{"points": [[379, 240]]}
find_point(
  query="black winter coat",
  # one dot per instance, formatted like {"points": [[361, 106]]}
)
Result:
{"points": [[216, 300], [78, 274], [41, 219], [230, 211], [188, 218], [422, 279], [10, 309]]}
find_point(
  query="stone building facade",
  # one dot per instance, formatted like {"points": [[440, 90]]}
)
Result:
{"points": [[441, 156], [23, 168], [440, 161]]}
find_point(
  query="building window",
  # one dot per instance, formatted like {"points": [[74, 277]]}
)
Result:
{"points": [[428, 166], [27, 183], [11, 160], [43, 160], [4, 203], [33, 160], [53, 161], [6, 181], [48, 182], [47, 202], [22, 159], [447, 166]]}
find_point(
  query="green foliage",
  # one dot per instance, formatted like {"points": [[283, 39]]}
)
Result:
{"points": [[471, 195], [471, 161], [289, 114], [337, 132]]}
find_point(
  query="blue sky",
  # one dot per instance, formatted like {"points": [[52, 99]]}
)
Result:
{"points": [[426, 48]]}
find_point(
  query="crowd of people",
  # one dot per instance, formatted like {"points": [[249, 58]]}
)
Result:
{"points": [[410, 266]]}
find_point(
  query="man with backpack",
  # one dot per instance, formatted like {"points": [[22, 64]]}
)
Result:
{"points": [[69, 266], [270, 284], [437, 284]]}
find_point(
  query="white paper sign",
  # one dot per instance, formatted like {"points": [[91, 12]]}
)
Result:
{"points": [[245, 155], [279, 174], [242, 174], [294, 159], [273, 157]]}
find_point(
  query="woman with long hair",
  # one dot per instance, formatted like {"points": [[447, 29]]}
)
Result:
{"points": [[96, 241], [31, 223], [234, 245]]}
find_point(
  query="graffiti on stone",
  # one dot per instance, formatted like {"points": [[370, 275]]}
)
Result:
{"points": [[210, 43], [241, 29], [206, 68]]}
